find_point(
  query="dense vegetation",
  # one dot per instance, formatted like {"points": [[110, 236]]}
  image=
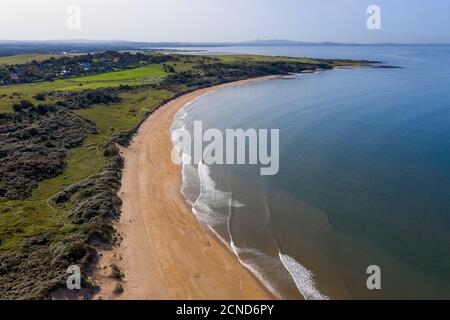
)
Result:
{"points": [[61, 169], [86, 98], [33, 144], [70, 66], [207, 74]]}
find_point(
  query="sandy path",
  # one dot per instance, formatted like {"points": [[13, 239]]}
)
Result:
{"points": [[165, 252]]}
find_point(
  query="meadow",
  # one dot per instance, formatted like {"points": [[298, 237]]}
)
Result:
{"points": [[131, 77], [24, 58]]}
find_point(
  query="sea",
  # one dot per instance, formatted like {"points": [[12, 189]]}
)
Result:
{"points": [[363, 182]]}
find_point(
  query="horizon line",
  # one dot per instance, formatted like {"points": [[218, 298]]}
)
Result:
{"points": [[226, 43]]}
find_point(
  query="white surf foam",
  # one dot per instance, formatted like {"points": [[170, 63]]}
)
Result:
{"points": [[183, 114], [211, 196], [269, 264], [303, 278], [205, 206], [189, 180]]}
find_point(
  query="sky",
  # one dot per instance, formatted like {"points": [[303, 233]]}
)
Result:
{"points": [[402, 21]]}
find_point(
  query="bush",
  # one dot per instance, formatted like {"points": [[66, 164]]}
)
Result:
{"points": [[116, 273], [118, 289], [42, 109], [40, 97], [26, 104], [28, 158], [17, 107]]}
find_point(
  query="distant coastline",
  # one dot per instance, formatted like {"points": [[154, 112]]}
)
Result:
{"points": [[14, 47]]}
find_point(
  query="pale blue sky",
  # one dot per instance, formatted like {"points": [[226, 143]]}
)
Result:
{"points": [[411, 21]]}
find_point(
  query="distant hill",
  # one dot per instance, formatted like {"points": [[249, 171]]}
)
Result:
{"points": [[13, 47], [8, 47]]}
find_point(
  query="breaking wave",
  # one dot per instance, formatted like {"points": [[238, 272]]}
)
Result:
{"points": [[214, 208], [303, 278]]}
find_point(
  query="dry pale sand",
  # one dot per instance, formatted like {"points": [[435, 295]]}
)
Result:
{"points": [[165, 253]]}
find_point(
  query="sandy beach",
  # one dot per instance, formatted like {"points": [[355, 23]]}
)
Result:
{"points": [[165, 253]]}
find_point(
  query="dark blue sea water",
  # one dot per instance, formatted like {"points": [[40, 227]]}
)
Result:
{"points": [[364, 175]]}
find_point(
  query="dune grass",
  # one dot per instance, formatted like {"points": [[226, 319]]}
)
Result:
{"points": [[21, 219]]}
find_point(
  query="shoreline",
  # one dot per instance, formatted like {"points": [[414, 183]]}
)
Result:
{"points": [[165, 252]]}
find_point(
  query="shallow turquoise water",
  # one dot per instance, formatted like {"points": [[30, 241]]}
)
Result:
{"points": [[364, 175]]}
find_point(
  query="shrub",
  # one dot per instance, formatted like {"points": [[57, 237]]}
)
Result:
{"points": [[40, 96], [17, 107], [116, 273], [42, 109], [26, 104], [118, 289]]}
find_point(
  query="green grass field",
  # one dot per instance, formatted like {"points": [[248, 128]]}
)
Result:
{"points": [[132, 77], [249, 57], [142, 73], [24, 58]]}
